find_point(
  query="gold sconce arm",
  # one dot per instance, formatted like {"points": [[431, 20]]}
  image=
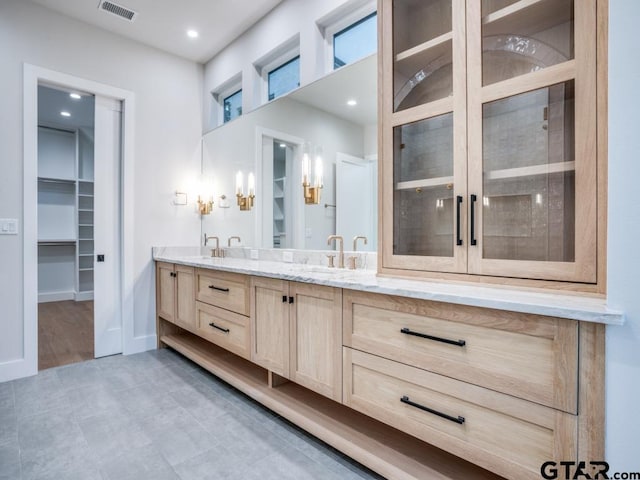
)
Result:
{"points": [[204, 207], [245, 202], [312, 194]]}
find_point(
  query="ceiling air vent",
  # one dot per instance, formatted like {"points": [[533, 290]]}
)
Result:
{"points": [[119, 10]]}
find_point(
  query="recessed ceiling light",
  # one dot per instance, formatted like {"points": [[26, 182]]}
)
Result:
{"points": [[283, 145], [65, 114], [75, 96], [192, 34], [352, 103]]}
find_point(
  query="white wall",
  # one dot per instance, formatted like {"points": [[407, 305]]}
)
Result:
{"points": [[168, 93], [623, 257], [288, 19]]}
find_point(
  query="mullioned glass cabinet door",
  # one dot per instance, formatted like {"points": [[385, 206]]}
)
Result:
{"points": [[424, 134], [532, 164]]}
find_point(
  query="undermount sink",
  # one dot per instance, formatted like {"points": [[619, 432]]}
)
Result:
{"points": [[315, 268]]}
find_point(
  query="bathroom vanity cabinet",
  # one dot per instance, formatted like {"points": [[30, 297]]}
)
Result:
{"points": [[488, 140], [409, 387]]}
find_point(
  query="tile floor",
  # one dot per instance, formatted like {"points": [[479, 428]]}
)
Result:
{"points": [[152, 416]]}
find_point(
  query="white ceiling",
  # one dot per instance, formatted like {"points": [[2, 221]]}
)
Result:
{"points": [[356, 81], [163, 23], [52, 101]]}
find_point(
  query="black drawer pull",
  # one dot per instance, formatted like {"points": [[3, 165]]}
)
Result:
{"points": [[225, 330], [458, 343], [459, 420], [284, 299], [220, 289]]}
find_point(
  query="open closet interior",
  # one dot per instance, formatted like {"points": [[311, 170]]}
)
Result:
{"points": [[65, 226]]}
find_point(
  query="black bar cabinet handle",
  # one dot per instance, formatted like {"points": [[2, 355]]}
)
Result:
{"points": [[225, 330], [459, 420], [220, 289], [290, 299], [284, 298], [472, 207], [458, 343], [458, 204]]}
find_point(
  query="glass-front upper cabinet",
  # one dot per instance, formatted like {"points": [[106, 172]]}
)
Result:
{"points": [[424, 134], [489, 137]]}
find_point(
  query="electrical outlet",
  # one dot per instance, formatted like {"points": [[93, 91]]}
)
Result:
{"points": [[287, 257], [307, 232], [254, 254]]}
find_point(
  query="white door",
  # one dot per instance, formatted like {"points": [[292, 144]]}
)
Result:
{"points": [[356, 200], [107, 228]]}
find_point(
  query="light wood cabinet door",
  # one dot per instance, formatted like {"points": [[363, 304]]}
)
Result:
{"points": [[316, 338], [270, 324], [165, 291], [488, 122], [185, 281]]}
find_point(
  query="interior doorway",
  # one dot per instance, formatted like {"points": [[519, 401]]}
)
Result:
{"points": [[65, 226], [79, 226]]}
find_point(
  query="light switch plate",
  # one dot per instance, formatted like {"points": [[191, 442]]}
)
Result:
{"points": [[287, 257], [254, 254], [8, 226]]}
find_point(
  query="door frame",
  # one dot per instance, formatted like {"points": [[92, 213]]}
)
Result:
{"points": [[34, 75]]}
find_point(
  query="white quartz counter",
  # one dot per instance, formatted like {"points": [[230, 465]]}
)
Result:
{"points": [[575, 307]]}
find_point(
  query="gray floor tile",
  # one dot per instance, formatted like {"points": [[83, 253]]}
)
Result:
{"points": [[215, 464], [111, 432], [89, 401], [153, 416], [292, 465], [145, 400], [177, 435], [203, 404], [144, 463], [39, 394], [10, 462], [41, 431], [58, 461]]}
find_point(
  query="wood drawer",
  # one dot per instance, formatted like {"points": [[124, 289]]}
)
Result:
{"points": [[528, 356], [224, 328], [223, 289], [504, 434]]}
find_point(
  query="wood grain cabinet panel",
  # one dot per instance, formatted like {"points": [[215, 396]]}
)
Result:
{"points": [[176, 294], [528, 356], [270, 324], [316, 338], [166, 291], [505, 434], [226, 329], [224, 289]]}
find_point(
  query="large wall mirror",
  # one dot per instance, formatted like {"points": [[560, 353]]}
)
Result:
{"points": [[334, 117]]}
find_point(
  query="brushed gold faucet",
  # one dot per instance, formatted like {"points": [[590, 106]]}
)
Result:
{"points": [[341, 246], [215, 252], [235, 237], [355, 241]]}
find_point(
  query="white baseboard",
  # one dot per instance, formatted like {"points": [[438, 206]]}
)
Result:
{"points": [[14, 369], [84, 296], [55, 296], [140, 344]]}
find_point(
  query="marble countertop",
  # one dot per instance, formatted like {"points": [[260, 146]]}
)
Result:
{"points": [[577, 307]]}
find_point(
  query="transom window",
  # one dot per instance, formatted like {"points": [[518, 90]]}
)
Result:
{"points": [[284, 78], [232, 106], [356, 41]]}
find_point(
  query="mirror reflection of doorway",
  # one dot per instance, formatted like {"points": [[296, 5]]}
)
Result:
{"points": [[283, 155], [65, 227]]}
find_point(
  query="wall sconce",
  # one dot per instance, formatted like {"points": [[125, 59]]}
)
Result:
{"points": [[205, 207], [205, 195], [245, 202], [313, 191]]}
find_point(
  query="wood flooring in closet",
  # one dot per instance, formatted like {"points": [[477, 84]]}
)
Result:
{"points": [[65, 333]]}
